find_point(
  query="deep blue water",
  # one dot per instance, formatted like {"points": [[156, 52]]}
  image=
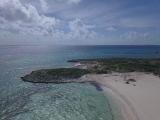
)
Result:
{"points": [[27, 101]]}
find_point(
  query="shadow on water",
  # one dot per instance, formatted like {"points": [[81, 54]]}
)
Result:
{"points": [[97, 86]]}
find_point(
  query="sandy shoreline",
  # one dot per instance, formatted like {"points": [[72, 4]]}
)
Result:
{"points": [[138, 100]]}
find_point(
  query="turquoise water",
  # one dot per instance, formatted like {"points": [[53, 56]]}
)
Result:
{"points": [[27, 101]]}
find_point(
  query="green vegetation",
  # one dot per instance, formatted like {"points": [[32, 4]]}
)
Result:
{"points": [[95, 66], [54, 75], [121, 65]]}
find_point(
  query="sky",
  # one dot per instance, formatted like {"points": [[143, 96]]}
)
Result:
{"points": [[80, 22]]}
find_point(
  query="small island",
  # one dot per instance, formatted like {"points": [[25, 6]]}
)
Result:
{"points": [[93, 66]]}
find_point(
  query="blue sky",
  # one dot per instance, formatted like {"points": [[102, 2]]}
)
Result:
{"points": [[106, 22]]}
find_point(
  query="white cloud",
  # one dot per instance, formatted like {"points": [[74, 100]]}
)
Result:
{"points": [[111, 28], [37, 18], [69, 1], [13, 10], [74, 1], [44, 5], [80, 30], [24, 17], [17, 17], [137, 37]]}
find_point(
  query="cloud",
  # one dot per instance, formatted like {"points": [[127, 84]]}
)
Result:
{"points": [[74, 1], [80, 30], [111, 28], [13, 10], [17, 17], [44, 5], [68, 1], [137, 37], [98, 21], [24, 17]]}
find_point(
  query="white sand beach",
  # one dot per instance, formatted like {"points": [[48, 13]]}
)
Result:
{"points": [[138, 100]]}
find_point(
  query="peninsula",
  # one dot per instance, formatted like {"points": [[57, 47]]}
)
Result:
{"points": [[132, 83], [93, 66]]}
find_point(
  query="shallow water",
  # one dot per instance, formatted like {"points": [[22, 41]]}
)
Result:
{"points": [[66, 102], [27, 101]]}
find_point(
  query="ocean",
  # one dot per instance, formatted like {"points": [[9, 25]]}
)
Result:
{"points": [[26, 101]]}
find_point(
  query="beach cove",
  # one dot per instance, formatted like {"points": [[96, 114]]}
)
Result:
{"points": [[138, 101], [127, 90]]}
